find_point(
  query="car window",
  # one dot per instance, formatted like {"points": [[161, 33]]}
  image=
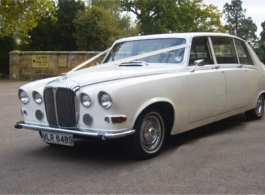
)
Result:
{"points": [[200, 50], [224, 50], [137, 47], [242, 52]]}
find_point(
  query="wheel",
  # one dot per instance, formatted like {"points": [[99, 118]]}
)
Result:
{"points": [[258, 111], [149, 137]]}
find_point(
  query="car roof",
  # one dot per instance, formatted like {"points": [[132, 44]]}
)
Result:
{"points": [[175, 35]]}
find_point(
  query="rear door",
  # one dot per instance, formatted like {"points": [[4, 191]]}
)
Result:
{"points": [[237, 84]]}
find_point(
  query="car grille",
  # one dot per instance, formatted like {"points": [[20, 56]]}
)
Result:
{"points": [[60, 98]]}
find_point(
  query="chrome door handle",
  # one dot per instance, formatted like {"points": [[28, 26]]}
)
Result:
{"points": [[216, 67]]}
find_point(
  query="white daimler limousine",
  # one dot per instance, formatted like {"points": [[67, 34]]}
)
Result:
{"points": [[146, 88]]}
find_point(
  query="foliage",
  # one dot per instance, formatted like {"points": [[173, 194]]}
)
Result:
{"points": [[20, 16], [155, 16], [237, 23], [123, 20], [44, 37], [57, 35], [260, 49], [96, 29], [262, 34], [207, 18], [7, 44], [247, 30]]}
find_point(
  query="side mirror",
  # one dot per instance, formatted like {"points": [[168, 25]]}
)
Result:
{"points": [[200, 62]]}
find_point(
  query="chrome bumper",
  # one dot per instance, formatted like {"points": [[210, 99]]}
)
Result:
{"points": [[90, 133]]}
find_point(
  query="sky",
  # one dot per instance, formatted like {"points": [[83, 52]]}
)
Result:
{"points": [[254, 9]]}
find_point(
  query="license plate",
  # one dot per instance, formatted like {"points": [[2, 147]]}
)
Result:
{"points": [[58, 138]]}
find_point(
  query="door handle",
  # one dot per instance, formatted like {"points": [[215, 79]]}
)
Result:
{"points": [[216, 67]]}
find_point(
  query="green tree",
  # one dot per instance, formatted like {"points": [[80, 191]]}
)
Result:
{"points": [[66, 13], [20, 16], [247, 30], [123, 20], [57, 34], [7, 44], [207, 18], [234, 14], [96, 29], [236, 22], [155, 16], [260, 48], [262, 34], [44, 37]]}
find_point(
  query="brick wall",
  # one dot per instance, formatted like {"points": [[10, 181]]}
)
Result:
{"points": [[32, 65]]}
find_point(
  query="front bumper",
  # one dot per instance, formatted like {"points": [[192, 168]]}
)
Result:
{"points": [[90, 133]]}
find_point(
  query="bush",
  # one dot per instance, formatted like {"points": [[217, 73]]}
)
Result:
{"points": [[7, 44]]}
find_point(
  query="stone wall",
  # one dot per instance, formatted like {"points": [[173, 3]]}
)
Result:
{"points": [[42, 64]]}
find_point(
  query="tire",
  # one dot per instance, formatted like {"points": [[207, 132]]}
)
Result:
{"points": [[149, 137], [257, 112]]}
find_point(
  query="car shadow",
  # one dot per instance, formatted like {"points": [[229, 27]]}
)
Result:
{"points": [[113, 151], [219, 127]]}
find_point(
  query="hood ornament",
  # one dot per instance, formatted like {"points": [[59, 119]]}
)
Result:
{"points": [[63, 76]]}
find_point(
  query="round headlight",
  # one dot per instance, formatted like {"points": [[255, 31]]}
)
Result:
{"points": [[37, 97], [23, 96], [105, 100], [85, 100]]}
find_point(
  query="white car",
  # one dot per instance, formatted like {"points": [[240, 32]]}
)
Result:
{"points": [[146, 88]]}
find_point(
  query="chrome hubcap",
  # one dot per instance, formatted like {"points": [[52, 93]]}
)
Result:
{"points": [[151, 132], [260, 105]]}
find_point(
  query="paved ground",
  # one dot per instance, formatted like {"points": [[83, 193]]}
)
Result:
{"points": [[224, 157]]}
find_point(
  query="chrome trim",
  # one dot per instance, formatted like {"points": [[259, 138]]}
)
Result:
{"points": [[54, 91], [66, 84], [101, 134]]}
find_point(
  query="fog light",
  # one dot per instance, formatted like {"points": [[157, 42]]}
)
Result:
{"points": [[39, 115], [87, 119], [24, 112]]}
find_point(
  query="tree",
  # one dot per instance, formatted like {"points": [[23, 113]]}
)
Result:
{"points": [[43, 37], [57, 34], [262, 34], [247, 30], [123, 20], [155, 16], [66, 13], [237, 23], [20, 16], [207, 18], [96, 29], [234, 14], [260, 49], [7, 44]]}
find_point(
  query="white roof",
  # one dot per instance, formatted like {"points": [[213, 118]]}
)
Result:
{"points": [[175, 35]]}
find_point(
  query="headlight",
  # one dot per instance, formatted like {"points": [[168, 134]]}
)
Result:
{"points": [[85, 100], [23, 96], [37, 97], [105, 100]]}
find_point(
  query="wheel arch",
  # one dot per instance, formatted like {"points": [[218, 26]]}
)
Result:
{"points": [[164, 107]]}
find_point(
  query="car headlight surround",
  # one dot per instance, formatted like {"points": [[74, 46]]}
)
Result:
{"points": [[23, 96], [85, 100], [105, 100], [37, 97]]}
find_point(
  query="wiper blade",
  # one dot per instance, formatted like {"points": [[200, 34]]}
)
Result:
{"points": [[134, 63]]}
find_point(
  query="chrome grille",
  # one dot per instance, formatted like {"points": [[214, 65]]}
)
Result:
{"points": [[60, 103]]}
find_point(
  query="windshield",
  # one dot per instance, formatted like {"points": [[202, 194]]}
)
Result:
{"points": [[132, 48]]}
